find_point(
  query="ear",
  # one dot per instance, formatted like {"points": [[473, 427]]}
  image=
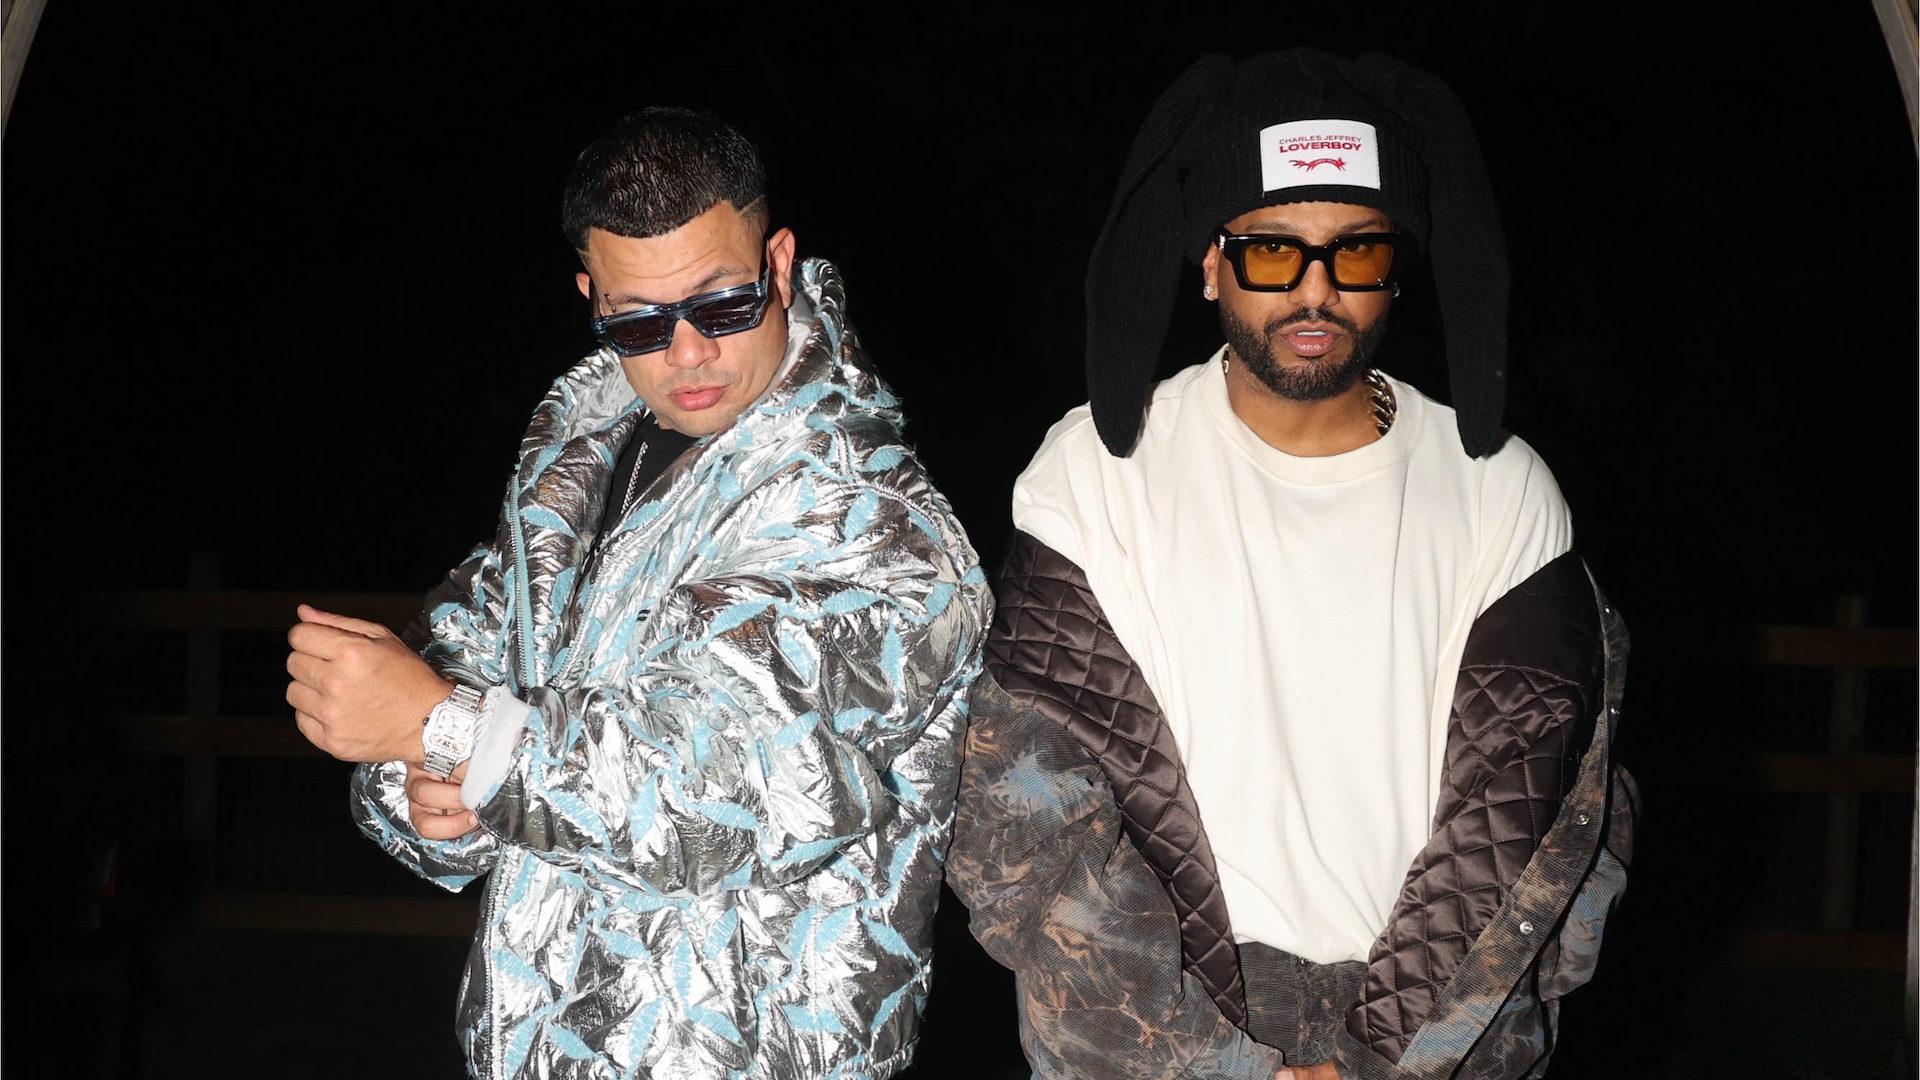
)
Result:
{"points": [[586, 284], [780, 260], [1210, 268]]}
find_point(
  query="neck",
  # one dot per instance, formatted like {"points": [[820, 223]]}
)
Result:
{"points": [[1321, 428]]}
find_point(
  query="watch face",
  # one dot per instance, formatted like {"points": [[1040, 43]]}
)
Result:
{"points": [[449, 732]]}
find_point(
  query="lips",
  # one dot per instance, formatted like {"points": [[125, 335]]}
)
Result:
{"points": [[696, 398], [1311, 340]]}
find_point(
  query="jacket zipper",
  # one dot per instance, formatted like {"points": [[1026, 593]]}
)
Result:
{"points": [[522, 592], [488, 906], [523, 619]]}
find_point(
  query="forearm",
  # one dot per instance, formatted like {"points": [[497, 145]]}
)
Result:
{"points": [[747, 743], [1104, 989], [592, 785], [1058, 894]]}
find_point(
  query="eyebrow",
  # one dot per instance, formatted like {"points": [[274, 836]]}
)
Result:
{"points": [[1371, 223], [705, 284]]}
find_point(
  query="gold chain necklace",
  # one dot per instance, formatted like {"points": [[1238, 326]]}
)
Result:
{"points": [[1379, 394], [1385, 408]]}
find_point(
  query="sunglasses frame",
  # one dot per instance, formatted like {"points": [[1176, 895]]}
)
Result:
{"points": [[1233, 248], [687, 309]]}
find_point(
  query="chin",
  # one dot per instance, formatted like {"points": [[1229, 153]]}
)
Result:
{"points": [[706, 421]]}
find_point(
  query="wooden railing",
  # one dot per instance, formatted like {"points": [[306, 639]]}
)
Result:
{"points": [[1843, 772], [202, 737]]}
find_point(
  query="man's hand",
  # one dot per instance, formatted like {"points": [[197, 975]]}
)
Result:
{"points": [[358, 692], [1323, 1071], [434, 804]]}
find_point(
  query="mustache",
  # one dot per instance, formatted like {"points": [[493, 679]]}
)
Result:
{"points": [[1306, 315]]}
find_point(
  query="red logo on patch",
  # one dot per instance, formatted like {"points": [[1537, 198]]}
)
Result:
{"points": [[1338, 163]]}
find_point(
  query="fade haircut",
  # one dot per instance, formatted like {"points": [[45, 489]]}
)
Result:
{"points": [[656, 170]]}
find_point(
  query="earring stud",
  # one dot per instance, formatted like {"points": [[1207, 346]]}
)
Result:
{"points": [[1207, 292]]}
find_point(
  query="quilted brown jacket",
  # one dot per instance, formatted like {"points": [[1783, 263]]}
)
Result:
{"points": [[1081, 856]]}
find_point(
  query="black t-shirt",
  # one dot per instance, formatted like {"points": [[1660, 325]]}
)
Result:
{"points": [[645, 457]]}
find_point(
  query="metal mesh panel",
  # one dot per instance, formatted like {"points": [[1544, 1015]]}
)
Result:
{"points": [[285, 827], [253, 673], [1892, 707], [1886, 858], [151, 796], [152, 672], [1793, 834], [1793, 707]]}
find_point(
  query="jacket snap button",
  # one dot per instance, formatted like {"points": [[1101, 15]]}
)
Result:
{"points": [[1526, 927], [1580, 819]]}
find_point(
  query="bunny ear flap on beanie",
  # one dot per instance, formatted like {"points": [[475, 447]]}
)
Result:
{"points": [[1135, 267], [1466, 245]]}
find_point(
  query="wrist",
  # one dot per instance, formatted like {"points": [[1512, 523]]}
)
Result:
{"points": [[446, 736]]}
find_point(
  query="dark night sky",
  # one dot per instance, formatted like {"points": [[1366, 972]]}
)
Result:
{"points": [[283, 282]]}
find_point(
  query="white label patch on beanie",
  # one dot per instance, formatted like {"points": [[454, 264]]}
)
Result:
{"points": [[1303, 152]]}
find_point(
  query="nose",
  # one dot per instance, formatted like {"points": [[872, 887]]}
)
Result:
{"points": [[689, 348], [1316, 287]]}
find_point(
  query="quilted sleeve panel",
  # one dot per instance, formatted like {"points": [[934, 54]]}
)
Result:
{"points": [[1522, 716], [1053, 650]]}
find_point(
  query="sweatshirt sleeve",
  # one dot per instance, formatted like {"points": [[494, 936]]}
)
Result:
{"points": [[753, 735]]}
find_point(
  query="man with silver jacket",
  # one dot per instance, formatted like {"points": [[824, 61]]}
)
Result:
{"points": [[695, 708]]}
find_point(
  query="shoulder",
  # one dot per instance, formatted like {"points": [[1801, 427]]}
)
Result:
{"points": [[1074, 488], [1510, 474], [1073, 455], [1518, 517]]}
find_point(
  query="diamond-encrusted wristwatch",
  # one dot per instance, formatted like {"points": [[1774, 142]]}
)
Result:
{"points": [[448, 735]]}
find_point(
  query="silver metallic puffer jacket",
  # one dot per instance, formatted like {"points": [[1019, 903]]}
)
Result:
{"points": [[719, 849]]}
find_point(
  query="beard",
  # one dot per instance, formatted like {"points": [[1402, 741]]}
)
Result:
{"points": [[1314, 380]]}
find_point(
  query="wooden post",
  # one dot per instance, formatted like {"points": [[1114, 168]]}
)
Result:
{"points": [[1898, 23], [1846, 734], [22, 18], [200, 775], [1913, 929]]}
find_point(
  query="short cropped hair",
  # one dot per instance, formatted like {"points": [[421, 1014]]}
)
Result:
{"points": [[656, 170]]}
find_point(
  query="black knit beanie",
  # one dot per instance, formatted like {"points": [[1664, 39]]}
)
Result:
{"points": [[1297, 126]]}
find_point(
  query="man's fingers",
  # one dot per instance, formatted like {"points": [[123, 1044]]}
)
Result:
{"points": [[424, 790], [320, 640], [433, 826], [304, 699], [312, 616], [314, 730], [435, 808], [326, 641], [427, 790], [305, 668]]}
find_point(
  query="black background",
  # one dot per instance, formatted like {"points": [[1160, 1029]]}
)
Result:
{"points": [[283, 283]]}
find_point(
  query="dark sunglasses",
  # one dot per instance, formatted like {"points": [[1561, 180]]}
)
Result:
{"points": [[1362, 262], [714, 314]]}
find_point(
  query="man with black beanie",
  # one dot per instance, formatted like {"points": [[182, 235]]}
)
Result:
{"points": [[1296, 755]]}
